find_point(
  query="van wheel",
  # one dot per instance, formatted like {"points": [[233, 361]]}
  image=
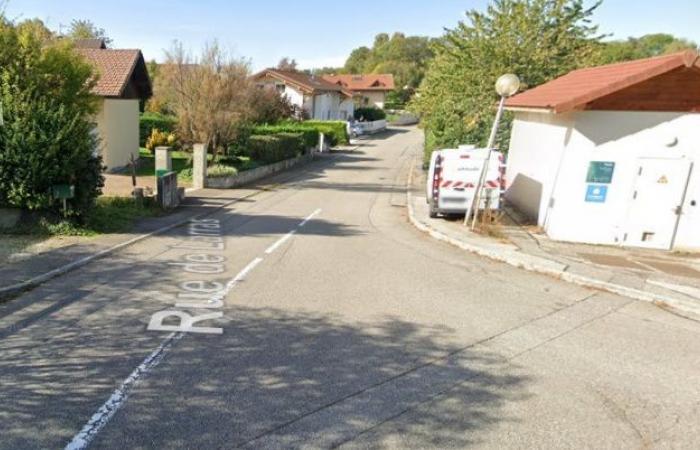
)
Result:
{"points": [[433, 211]]}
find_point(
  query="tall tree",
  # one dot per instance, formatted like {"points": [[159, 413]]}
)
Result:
{"points": [[643, 47], [406, 57], [85, 29], [536, 39]]}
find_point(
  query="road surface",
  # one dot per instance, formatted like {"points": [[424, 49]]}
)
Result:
{"points": [[313, 315]]}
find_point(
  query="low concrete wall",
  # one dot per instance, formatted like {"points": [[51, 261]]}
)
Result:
{"points": [[372, 127], [250, 176]]}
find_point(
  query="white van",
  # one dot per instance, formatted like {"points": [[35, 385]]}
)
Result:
{"points": [[454, 174]]}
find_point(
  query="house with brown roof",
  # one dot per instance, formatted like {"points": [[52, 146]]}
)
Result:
{"points": [[611, 154], [316, 97], [122, 84], [367, 90]]}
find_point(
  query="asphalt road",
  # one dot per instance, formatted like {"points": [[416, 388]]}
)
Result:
{"points": [[339, 326]]}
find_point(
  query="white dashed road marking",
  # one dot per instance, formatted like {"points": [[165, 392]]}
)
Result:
{"points": [[103, 415]]}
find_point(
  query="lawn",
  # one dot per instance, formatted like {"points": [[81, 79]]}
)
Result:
{"points": [[109, 215]]}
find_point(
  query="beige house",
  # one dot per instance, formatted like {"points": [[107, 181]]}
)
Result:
{"points": [[123, 84], [367, 90]]}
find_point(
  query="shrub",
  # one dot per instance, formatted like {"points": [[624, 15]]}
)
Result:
{"points": [[221, 171], [160, 138], [336, 130], [308, 133], [47, 137], [369, 114], [273, 148], [150, 121]]}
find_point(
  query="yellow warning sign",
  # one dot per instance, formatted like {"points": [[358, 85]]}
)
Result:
{"points": [[663, 180]]}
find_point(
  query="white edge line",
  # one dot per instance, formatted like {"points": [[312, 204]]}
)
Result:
{"points": [[310, 216], [279, 242], [119, 396], [286, 237]]}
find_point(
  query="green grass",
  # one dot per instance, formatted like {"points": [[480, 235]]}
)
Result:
{"points": [[110, 215]]}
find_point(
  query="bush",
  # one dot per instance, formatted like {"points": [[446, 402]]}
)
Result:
{"points": [[47, 137], [221, 171], [160, 138], [308, 133], [270, 149], [336, 131], [369, 114], [150, 121]]}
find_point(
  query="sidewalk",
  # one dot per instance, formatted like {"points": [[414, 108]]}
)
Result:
{"points": [[666, 279]]}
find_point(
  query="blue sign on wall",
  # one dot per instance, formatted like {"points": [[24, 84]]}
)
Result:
{"points": [[596, 193]]}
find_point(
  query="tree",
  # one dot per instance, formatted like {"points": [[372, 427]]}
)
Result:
{"points": [[287, 64], [646, 46], [536, 39], [85, 29], [406, 57], [210, 95], [47, 137]]}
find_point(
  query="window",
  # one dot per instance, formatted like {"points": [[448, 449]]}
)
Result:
{"points": [[280, 88]]}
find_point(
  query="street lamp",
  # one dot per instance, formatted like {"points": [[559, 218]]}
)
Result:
{"points": [[506, 86]]}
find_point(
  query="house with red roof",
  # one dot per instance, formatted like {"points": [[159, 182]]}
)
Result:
{"points": [[316, 97], [122, 84], [611, 154], [367, 90]]}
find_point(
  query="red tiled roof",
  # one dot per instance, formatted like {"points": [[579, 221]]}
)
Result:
{"points": [[307, 83], [371, 82], [115, 67], [580, 87]]}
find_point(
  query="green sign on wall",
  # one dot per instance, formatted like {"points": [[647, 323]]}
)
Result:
{"points": [[600, 172]]}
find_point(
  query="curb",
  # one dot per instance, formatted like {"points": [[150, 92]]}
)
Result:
{"points": [[548, 267], [10, 291]]}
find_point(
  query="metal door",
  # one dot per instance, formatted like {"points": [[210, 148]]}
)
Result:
{"points": [[656, 202]]}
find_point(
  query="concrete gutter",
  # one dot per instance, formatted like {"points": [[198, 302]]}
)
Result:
{"points": [[546, 266]]}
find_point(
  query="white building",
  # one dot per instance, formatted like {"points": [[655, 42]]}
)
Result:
{"points": [[318, 98], [611, 155]]}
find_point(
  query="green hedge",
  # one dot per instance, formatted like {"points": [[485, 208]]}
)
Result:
{"points": [[336, 130], [309, 134], [370, 114], [273, 148], [150, 120]]}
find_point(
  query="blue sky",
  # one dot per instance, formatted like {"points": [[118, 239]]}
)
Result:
{"points": [[316, 33]]}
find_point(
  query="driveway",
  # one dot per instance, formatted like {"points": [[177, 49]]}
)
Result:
{"points": [[319, 318]]}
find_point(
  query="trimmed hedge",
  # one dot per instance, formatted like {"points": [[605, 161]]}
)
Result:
{"points": [[335, 130], [150, 121], [308, 134], [370, 114], [273, 148]]}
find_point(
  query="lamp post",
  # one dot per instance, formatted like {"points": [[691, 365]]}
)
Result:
{"points": [[506, 86]]}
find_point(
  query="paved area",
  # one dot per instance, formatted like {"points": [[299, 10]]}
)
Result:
{"points": [[330, 321]]}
